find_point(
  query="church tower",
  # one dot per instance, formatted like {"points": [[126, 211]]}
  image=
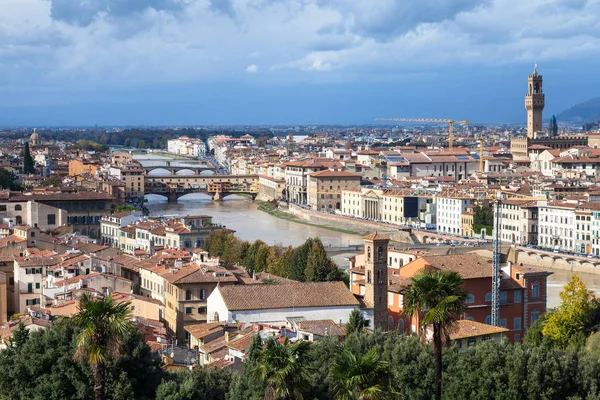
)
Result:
{"points": [[534, 104], [376, 277], [35, 138]]}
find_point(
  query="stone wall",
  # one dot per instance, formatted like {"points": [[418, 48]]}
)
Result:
{"points": [[548, 259], [359, 226]]}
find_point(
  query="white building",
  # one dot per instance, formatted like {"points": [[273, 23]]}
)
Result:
{"points": [[250, 304], [448, 214], [186, 146], [557, 225], [110, 226]]}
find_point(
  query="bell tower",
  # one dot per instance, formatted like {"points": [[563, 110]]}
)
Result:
{"points": [[534, 103], [376, 277]]}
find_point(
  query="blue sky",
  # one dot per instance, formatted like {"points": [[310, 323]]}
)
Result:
{"points": [[155, 62]]}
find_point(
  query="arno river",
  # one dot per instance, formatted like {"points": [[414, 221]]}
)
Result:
{"points": [[250, 223]]}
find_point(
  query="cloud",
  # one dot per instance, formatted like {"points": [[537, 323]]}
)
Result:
{"points": [[83, 12], [131, 43]]}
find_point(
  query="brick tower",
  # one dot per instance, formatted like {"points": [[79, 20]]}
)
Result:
{"points": [[376, 277], [534, 104]]}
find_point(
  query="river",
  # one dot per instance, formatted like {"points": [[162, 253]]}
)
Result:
{"points": [[250, 223]]}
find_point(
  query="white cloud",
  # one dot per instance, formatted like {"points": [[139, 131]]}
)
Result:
{"points": [[94, 42]]}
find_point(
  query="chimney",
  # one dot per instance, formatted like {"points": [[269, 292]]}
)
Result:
{"points": [[226, 337]]}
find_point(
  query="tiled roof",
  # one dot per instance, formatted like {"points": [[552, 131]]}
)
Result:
{"points": [[322, 327], [260, 297], [376, 236], [465, 329], [199, 331], [469, 266], [334, 174]]}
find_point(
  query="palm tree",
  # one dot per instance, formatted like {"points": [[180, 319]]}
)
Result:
{"points": [[282, 367], [360, 377], [437, 299], [105, 325]]}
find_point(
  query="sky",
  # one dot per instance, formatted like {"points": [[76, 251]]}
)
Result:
{"points": [[247, 62]]}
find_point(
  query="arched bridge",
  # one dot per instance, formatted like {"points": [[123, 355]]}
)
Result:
{"points": [[176, 169], [216, 186]]}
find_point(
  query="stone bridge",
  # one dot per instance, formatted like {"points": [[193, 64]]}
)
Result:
{"points": [[216, 186], [177, 169]]}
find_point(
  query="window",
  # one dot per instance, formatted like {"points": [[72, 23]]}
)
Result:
{"points": [[17, 207], [503, 298], [51, 219], [517, 337], [486, 337], [202, 294], [188, 310], [517, 323], [470, 299], [37, 285], [535, 315], [2, 208], [488, 297], [517, 296], [488, 320], [201, 310], [188, 294], [472, 342], [535, 290], [502, 323], [459, 343]]}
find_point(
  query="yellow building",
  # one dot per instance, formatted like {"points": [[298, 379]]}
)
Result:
{"points": [[186, 291], [3, 299], [133, 178], [466, 223], [325, 188], [80, 167]]}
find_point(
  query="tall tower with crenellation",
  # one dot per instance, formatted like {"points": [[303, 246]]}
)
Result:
{"points": [[376, 277], [534, 104]]}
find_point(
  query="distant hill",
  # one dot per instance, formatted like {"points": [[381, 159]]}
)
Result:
{"points": [[587, 111]]}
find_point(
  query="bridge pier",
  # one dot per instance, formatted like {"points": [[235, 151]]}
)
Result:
{"points": [[172, 197], [218, 196]]}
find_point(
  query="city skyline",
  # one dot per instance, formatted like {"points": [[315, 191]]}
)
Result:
{"points": [[168, 62]]}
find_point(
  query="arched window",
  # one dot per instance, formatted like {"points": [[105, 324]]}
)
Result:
{"points": [[488, 297], [188, 294], [535, 315], [18, 220], [470, 299], [390, 323], [369, 253], [202, 294], [380, 253], [401, 325], [18, 207], [488, 319]]}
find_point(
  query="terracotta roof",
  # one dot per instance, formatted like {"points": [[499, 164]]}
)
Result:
{"points": [[466, 329], [376, 236], [334, 174], [200, 331], [469, 266], [63, 197], [322, 327], [260, 297]]}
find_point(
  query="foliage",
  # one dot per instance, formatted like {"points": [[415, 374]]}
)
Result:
{"points": [[19, 336], [104, 325], [360, 377], [8, 180], [53, 180], [28, 166], [45, 367], [308, 262], [90, 145], [126, 207], [571, 322], [356, 322], [436, 298], [201, 383], [282, 368], [483, 218]]}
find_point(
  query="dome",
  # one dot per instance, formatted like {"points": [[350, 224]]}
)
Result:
{"points": [[35, 135]]}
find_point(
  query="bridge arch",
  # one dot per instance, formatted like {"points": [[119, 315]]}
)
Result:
{"points": [[159, 171], [185, 171]]}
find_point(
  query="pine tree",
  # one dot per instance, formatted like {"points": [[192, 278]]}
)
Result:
{"points": [[28, 167], [356, 322]]}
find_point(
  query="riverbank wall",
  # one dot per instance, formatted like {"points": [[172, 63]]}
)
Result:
{"points": [[360, 226], [550, 260]]}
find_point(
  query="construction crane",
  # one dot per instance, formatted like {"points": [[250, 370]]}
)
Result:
{"points": [[497, 198], [450, 123], [480, 153]]}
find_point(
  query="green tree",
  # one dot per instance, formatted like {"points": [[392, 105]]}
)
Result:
{"points": [[19, 336], [273, 258], [319, 267], [200, 383], [282, 368], [439, 296], [360, 378], [483, 218], [356, 322], [104, 325], [28, 166], [8, 180], [261, 256], [570, 323], [297, 266]]}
